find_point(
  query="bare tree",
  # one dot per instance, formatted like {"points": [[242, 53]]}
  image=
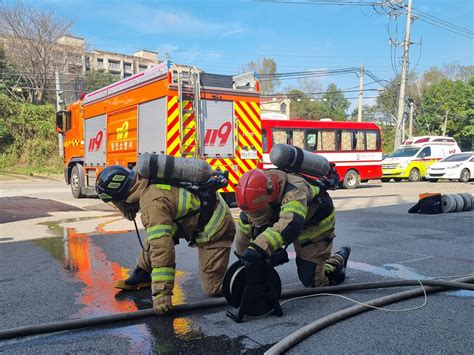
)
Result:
{"points": [[267, 68], [35, 48], [310, 86]]}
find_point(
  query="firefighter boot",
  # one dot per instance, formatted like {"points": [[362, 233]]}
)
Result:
{"points": [[335, 267], [137, 280]]}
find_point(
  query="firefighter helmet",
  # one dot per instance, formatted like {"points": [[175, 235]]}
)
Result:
{"points": [[256, 189], [114, 183]]}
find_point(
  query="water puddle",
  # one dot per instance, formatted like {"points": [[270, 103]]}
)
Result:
{"points": [[87, 262]]}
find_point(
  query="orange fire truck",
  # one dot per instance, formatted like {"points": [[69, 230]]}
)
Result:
{"points": [[169, 109]]}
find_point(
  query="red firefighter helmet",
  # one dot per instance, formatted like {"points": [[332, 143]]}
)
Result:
{"points": [[256, 189]]}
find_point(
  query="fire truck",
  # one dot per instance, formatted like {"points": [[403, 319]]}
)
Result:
{"points": [[171, 109]]}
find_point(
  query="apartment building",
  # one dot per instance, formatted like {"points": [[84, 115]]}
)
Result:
{"points": [[118, 64]]}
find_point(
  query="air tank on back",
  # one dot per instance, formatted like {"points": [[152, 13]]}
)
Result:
{"points": [[290, 158], [170, 168]]}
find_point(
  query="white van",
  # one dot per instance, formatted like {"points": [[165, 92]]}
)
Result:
{"points": [[412, 159]]}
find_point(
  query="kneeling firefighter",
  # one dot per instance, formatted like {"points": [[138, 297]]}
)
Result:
{"points": [[177, 198], [280, 207]]}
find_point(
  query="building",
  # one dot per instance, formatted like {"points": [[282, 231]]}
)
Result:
{"points": [[118, 64], [276, 107]]}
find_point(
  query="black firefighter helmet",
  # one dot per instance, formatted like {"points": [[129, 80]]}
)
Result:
{"points": [[114, 183]]}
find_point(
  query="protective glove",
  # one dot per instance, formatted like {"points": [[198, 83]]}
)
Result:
{"points": [[254, 254], [279, 257], [129, 210], [162, 303], [331, 179]]}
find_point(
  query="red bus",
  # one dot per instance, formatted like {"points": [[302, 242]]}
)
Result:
{"points": [[355, 147]]}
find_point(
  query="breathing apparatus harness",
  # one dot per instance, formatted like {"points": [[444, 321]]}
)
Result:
{"points": [[207, 195], [255, 287]]}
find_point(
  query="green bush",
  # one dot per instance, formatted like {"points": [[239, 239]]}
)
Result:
{"points": [[28, 141]]}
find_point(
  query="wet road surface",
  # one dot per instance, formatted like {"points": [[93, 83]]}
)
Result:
{"points": [[70, 275]]}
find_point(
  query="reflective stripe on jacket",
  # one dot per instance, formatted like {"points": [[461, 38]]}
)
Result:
{"points": [[215, 223]]}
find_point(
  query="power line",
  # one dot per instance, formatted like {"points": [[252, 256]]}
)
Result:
{"points": [[445, 28], [322, 2], [444, 22]]}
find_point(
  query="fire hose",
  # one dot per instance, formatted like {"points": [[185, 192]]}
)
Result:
{"points": [[438, 285]]}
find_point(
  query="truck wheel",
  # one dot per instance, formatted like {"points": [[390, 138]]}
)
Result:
{"points": [[385, 180], [77, 182], [414, 175], [465, 175], [351, 180]]}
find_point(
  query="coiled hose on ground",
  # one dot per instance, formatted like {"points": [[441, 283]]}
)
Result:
{"points": [[213, 303], [294, 338]]}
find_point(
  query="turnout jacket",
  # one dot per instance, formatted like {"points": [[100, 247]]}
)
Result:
{"points": [[169, 212], [303, 211]]}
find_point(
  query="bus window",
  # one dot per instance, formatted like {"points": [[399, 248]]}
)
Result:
{"points": [[372, 140], [346, 140], [360, 140], [327, 140], [264, 140], [279, 136], [311, 139], [298, 138]]}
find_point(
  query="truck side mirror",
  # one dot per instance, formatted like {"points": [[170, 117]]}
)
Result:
{"points": [[59, 122]]}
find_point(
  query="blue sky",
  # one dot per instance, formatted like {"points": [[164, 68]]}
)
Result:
{"points": [[221, 36]]}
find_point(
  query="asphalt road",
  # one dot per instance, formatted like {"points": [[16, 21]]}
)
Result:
{"points": [[61, 265]]}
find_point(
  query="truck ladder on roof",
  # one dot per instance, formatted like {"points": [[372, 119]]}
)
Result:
{"points": [[189, 129]]}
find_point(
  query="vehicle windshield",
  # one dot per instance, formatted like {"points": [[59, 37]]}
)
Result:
{"points": [[458, 157], [401, 153]]}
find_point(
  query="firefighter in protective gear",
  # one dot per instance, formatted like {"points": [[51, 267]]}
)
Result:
{"points": [[280, 208], [168, 213]]}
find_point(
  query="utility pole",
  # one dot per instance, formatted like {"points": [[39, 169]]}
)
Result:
{"points": [[58, 108], [403, 128], [361, 93], [401, 98], [410, 127], [445, 122]]}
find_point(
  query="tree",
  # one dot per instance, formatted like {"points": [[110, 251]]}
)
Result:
{"points": [[304, 107], [266, 68], [11, 83], [335, 102], [456, 99], [96, 79], [33, 48], [310, 86]]}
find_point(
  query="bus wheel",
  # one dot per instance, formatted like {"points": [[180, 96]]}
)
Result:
{"points": [[77, 181], [465, 175], [351, 180], [414, 175]]}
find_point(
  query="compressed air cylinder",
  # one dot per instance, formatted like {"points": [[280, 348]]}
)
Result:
{"points": [[169, 168], [290, 158]]}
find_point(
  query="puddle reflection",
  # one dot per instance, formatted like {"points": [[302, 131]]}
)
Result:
{"points": [[88, 263]]}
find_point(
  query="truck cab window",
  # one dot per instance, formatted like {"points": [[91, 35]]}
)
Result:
{"points": [[68, 120]]}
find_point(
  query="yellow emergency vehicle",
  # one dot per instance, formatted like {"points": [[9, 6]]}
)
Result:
{"points": [[412, 159]]}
